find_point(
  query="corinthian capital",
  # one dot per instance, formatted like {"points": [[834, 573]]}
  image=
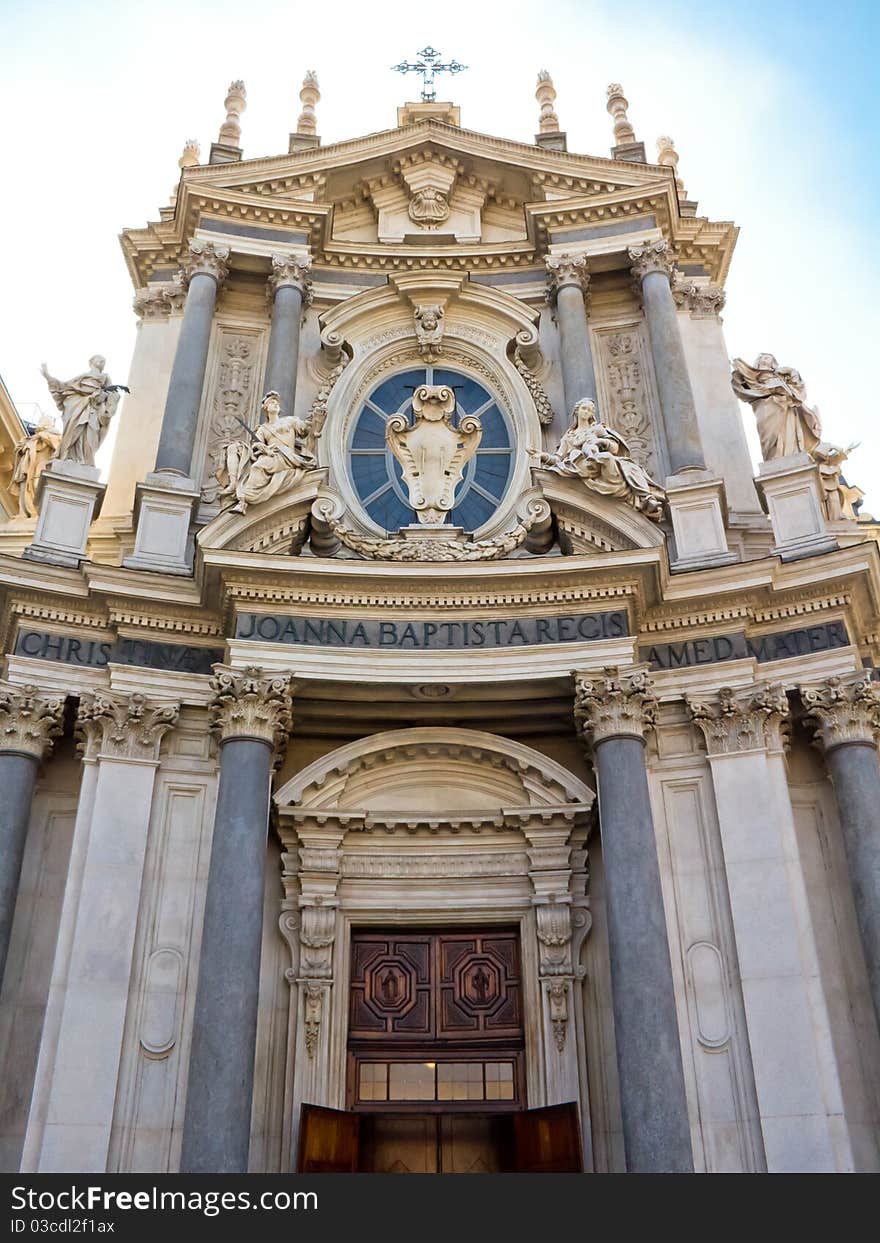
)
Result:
{"points": [[123, 727], [565, 270], [651, 257], [158, 301], [29, 722], [843, 710], [614, 704], [205, 259], [752, 718], [294, 270], [703, 301], [247, 704]]}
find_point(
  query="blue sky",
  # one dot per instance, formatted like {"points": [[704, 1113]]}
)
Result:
{"points": [[773, 107]]}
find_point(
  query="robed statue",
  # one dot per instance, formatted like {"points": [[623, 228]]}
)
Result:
{"points": [[87, 404], [597, 454], [277, 458], [31, 455], [786, 424]]}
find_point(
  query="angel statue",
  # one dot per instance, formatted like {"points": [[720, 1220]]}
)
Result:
{"points": [[840, 499], [601, 457], [87, 404], [786, 424], [278, 459], [31, 455]]}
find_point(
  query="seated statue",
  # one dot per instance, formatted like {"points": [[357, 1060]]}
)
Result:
{"points": [[277, 458], [601, 457]]}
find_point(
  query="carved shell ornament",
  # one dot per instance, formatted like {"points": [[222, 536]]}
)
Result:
{"points": [[428, 207]]}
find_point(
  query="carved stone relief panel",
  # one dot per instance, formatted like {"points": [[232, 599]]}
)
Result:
{"points": [[231, 401], [627, 396]]}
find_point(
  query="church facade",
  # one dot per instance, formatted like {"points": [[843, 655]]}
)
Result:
{"points": [[434, 748]]}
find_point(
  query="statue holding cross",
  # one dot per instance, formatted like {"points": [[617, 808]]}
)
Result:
{"points": [[428, 64]]}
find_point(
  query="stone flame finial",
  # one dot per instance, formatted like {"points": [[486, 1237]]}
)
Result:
{"points": [[190, 154], [617, 106], [307, 123], [668, 157], [545, 94], [235, 104]]}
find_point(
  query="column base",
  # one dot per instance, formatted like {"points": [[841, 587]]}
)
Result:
{"points": [[791, 493], [69, 496], [698, 508], [164, 506]]}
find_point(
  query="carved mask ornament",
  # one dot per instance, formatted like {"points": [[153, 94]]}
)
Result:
{"points": [[432, 452]]}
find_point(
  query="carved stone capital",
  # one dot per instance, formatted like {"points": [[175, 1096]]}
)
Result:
{"points": [[565, 270], [844, 710], [651, 257], [751, 718], [317, 932], [703, 301], [293, 271], [248, 705], [29, 722], [122, 727], [614, 704], [158, 301], [207, 259]]}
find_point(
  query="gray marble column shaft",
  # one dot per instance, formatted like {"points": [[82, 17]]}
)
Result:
{"points": [[670, 370], [283, 354], [576, 356], [181, 417], [217, 1122], [855, 771], [652, 1091], [18, 775]]}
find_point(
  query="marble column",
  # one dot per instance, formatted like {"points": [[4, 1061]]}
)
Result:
{"points": [[251, 718], [653, 270], [28, 726], [846, 715], [568, 282], [289, 290], [204, 271], [75, 1090], [613, 711]]}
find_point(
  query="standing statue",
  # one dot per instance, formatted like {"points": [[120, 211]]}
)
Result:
{"points": [[840, 499], [87, 404], [786, 424], [433, 453], [277, 457], [31, 455], [601, 457]]}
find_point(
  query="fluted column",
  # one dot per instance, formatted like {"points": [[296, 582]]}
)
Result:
{"points": [[614, 711], [289, 289], [203, 272], [653, 269], [568, 282], [846, 715], [28, 725], [251, 718]]}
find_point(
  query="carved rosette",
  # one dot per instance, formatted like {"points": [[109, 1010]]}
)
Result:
{"points": [[751, 718], [703, 301], [614, 704], [247, 704], [565, 269], [159, 301], [122, 727], [844, 710], [205, 259], [29, 722], [651, 257], [293, 271]]}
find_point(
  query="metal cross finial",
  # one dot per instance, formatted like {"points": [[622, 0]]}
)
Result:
{"points": [[427, 65]]}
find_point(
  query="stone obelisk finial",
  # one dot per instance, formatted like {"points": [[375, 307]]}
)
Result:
{"points": [[549, 134], [306, 134], [226, 150], [626, 147]]}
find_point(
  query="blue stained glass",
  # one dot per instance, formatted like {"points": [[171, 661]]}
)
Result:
{"points": [[375, 466]]}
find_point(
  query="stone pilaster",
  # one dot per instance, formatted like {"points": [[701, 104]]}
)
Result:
{"points": [[568, 282], [613, 712], [289, 289], [251, 716], [845, 713], [29, 724]]}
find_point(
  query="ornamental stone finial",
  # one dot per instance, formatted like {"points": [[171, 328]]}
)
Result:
{"points": [[750, 718], [651, 257], [614, 704], [235, 104], [545, 94], [190, 154], [617, 106], [29, 722], [844, 710], [310, 95], [565, 270], [122, 726], [668, 157], [250, 704], [205, 258]]}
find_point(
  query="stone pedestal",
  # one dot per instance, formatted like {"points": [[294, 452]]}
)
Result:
{"points": [[698, 509], [164, 508], [791, 493], [69, 496]]}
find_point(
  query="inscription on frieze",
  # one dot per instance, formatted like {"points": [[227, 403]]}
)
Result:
{"points": [[780, 645], [97, 653]]}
